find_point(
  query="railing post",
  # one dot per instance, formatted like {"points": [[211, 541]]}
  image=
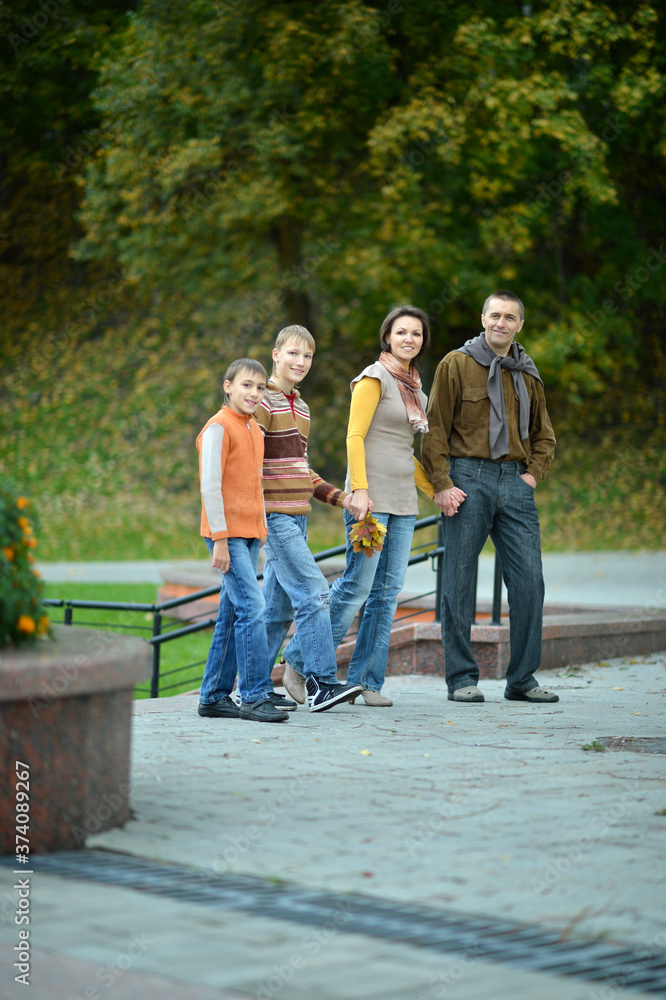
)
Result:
{"points": [[68, 614], [497, 592], [155, 678], [439, 571]]}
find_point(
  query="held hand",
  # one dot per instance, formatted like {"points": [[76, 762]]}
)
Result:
{"points": [[221, 558], [529, 479], [359, 504], [448, 501]]}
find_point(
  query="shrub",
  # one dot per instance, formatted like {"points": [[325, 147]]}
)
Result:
{"points": [[22, 618]]}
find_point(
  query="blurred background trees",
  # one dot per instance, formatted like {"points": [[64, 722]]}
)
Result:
{"points": [[180, 179]]}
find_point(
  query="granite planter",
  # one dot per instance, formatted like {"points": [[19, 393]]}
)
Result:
{"points": [[65, 715]]}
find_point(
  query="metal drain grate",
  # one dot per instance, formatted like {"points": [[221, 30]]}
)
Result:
{"points": [[439, 930], [639, 744]]}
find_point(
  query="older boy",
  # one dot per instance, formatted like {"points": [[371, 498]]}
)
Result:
{"points": [[294, 586]]}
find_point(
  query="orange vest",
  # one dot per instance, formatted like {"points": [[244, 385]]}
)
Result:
{"points": [[230, 472]]}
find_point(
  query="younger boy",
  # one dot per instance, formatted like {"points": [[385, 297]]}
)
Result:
{"points": [[233, 525], [294, 586]]}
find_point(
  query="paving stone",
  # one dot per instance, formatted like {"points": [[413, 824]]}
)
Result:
{"points": [[491, 811]]}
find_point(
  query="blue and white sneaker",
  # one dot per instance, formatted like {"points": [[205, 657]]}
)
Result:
{"points": [[322, 696]]}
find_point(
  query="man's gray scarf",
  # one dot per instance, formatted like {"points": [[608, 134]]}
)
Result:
{"points": [[517, 361]]}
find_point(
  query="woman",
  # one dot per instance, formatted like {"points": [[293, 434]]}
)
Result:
{"points": [[387, 410]]}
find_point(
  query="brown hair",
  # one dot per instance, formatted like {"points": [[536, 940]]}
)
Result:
{"points": [[395, 314], [242, 365], [506, 297]]}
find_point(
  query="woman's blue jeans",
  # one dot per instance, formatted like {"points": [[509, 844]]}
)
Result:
{"points": [[500, 504], [295, 588], [239, 638], [376, 582]]}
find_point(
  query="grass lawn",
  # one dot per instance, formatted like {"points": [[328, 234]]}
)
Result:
{"points": [[185, 656], [588, 502]]}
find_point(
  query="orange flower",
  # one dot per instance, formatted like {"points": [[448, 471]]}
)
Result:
{"points": [[8, 552], [42, 625], [22, 503], [26, 624], [24, 524], [31, 542]]}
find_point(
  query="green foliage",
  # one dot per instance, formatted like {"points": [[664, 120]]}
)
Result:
{"points": [[596, 746], [123, 420], [22, 618], [181, 179], [605, 491], [320, 162], [49, 129]]}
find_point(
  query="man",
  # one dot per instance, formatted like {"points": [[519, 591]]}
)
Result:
{"points": [[490, 442]]}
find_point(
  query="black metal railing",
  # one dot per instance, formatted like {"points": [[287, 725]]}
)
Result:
{"points": [[162, 632]]}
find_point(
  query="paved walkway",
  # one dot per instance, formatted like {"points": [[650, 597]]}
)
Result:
{"points": [[423, 851]]}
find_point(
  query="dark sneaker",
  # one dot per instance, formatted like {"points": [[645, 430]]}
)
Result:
{"points": [[322, 696], [224, 709], [262, 711], [280, 701]]}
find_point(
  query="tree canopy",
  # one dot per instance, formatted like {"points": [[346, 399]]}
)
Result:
{"points": [[179, 179], [320, 162]]}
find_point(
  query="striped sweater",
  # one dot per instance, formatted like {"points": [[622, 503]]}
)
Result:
{"points": [[231, 452], [289, 482]]}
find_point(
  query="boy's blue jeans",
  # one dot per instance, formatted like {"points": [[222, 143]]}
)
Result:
{"points": [[375, 582], [239, 638], [500, 504], [295, 588]]}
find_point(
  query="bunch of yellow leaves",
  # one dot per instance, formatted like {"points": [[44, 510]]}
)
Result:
{"points": [[367, 536]]}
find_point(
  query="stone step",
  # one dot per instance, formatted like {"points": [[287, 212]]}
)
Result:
{"points": [[572, 634]]}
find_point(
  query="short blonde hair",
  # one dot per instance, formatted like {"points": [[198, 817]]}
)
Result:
{"points": [[294, 332]]}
